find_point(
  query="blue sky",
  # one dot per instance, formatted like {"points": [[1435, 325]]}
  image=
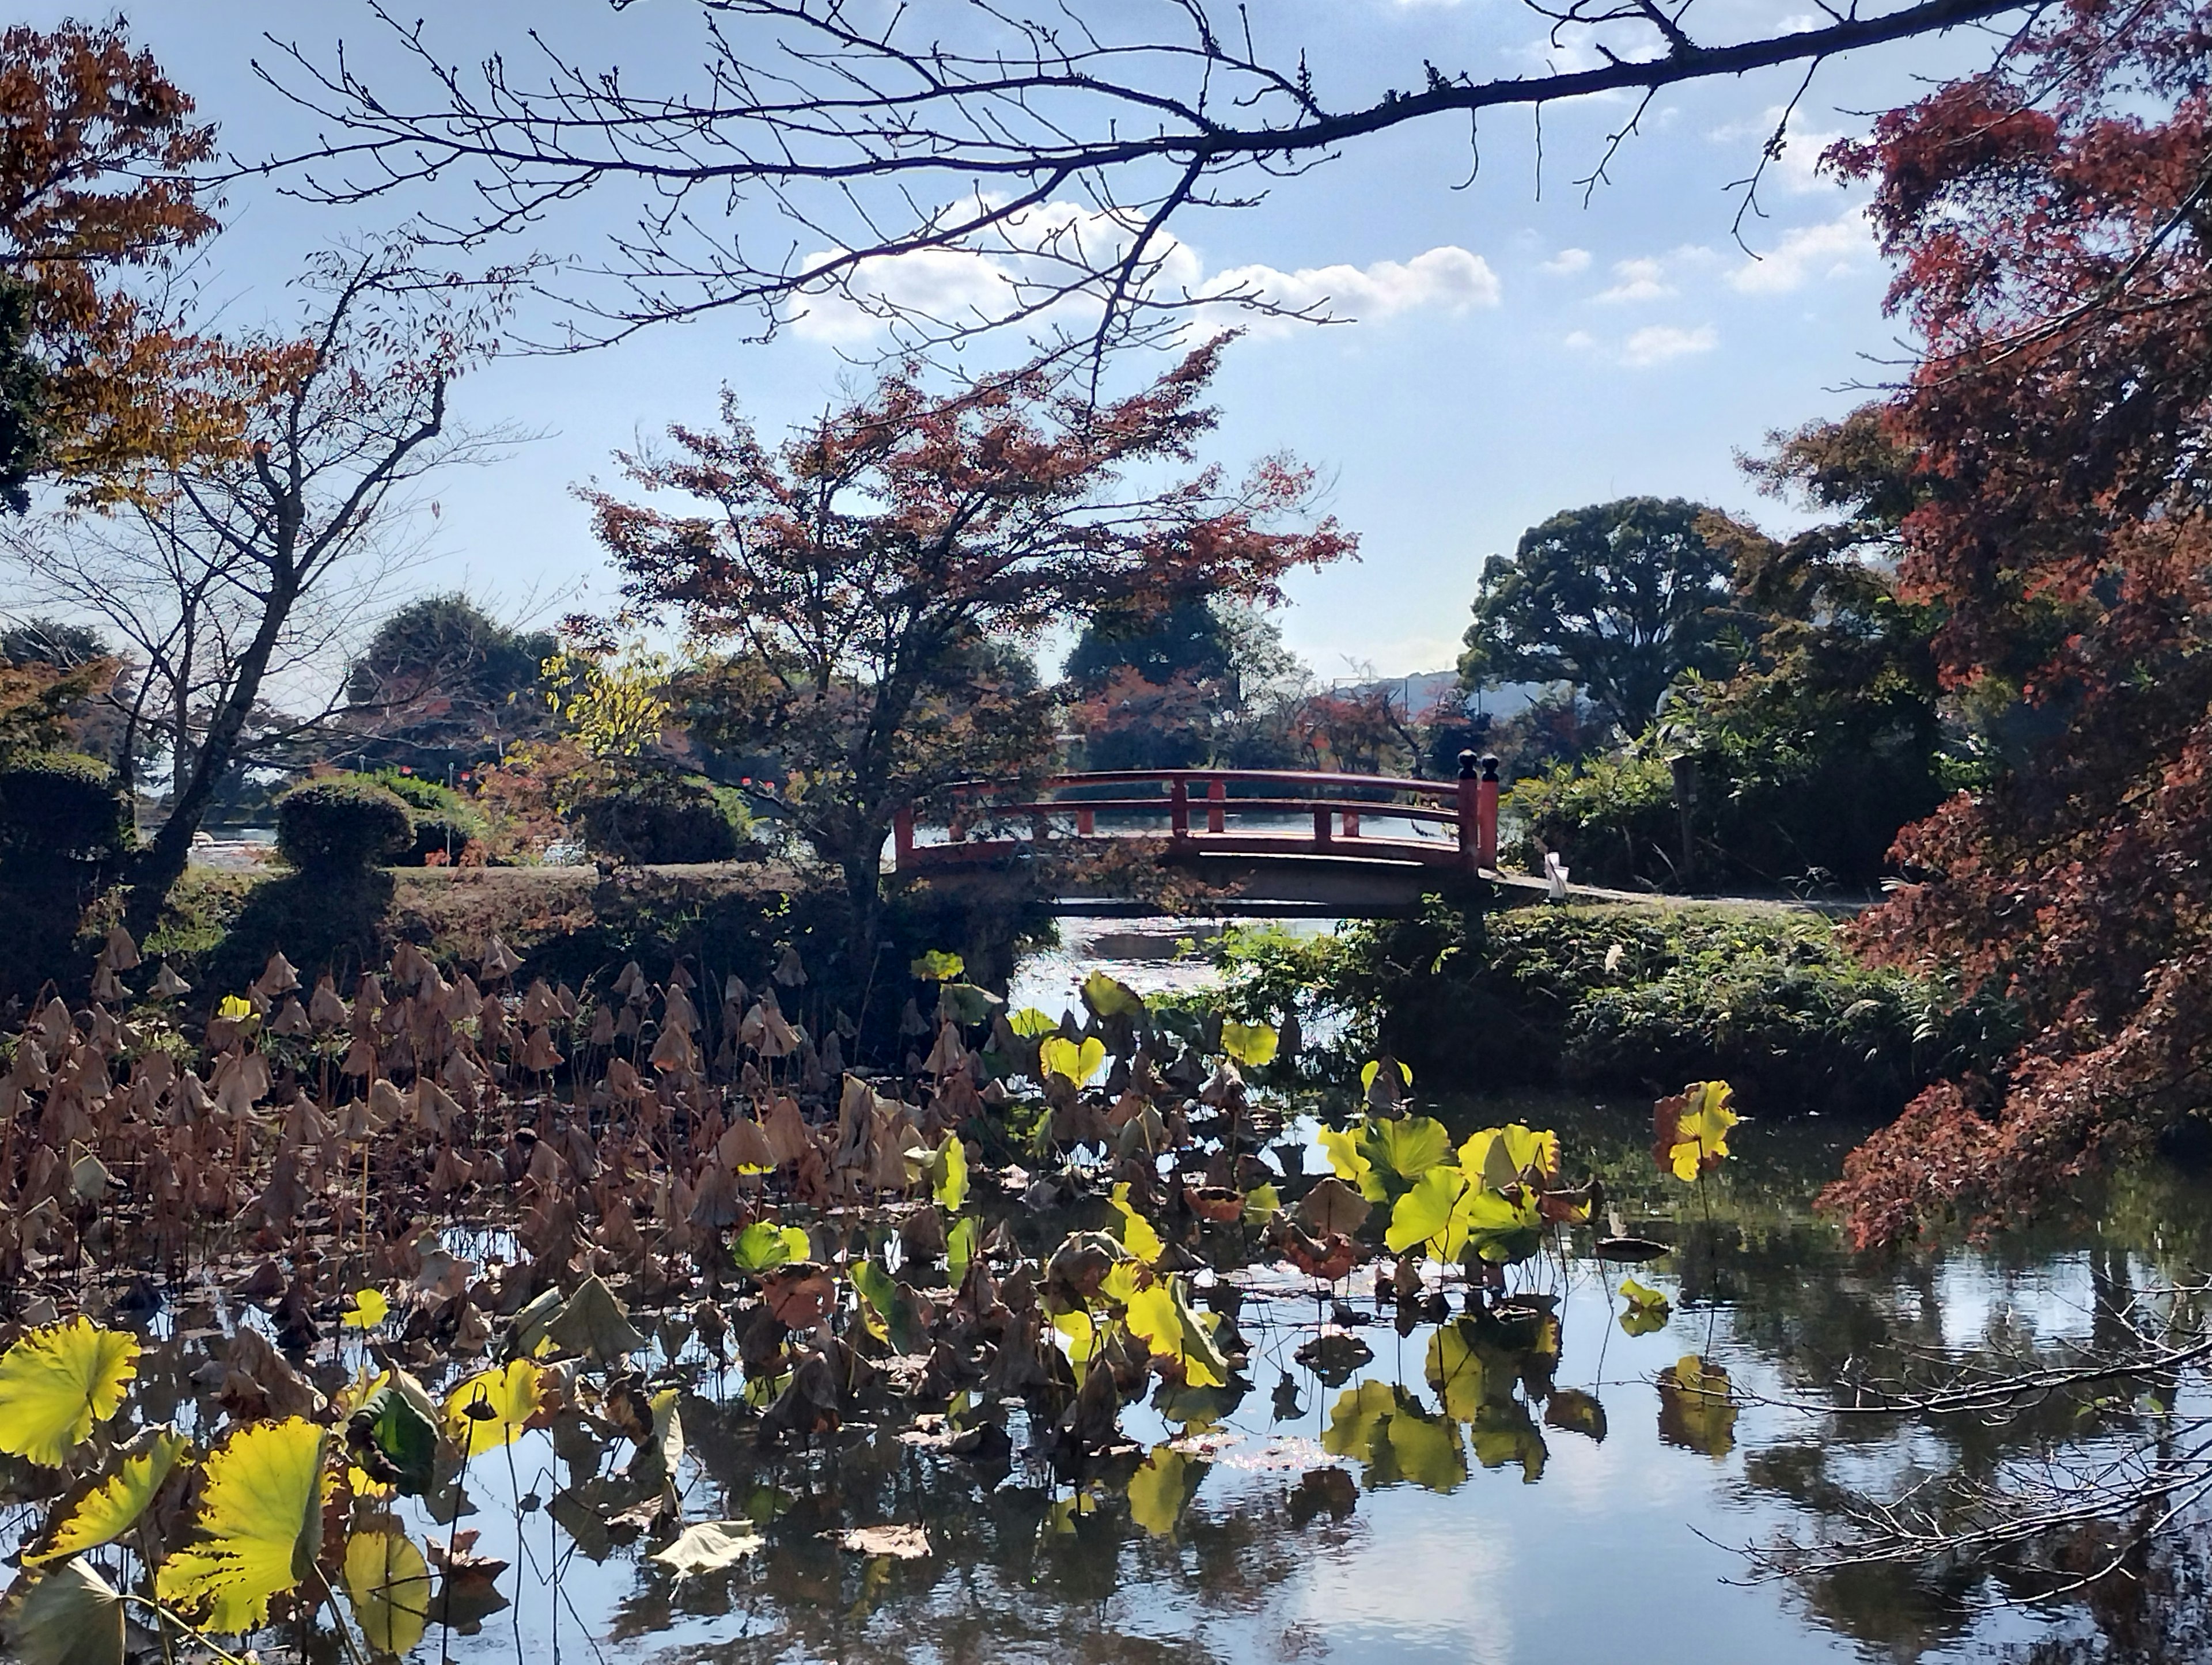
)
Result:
{"points": [[1516, 352]]}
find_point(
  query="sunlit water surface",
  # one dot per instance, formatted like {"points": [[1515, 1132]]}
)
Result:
{"points": [[1546, 1512]]}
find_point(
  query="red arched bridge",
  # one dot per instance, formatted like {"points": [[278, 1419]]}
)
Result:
{"points": [[1275, 839]]}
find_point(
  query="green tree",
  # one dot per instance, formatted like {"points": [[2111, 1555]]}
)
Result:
{"points": [[23, 422], [1196, 682], [1618, 600], [443, 684]]}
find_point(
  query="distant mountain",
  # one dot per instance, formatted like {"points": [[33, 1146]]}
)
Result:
{"points": [[1415, 693]]}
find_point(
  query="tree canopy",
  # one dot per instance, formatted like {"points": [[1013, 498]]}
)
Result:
{"points": [[2054, 251], [1618, 598], [443, 683], [859, 571]]}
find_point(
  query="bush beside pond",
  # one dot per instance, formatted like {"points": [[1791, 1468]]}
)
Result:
{"points": [[1634, 998]]}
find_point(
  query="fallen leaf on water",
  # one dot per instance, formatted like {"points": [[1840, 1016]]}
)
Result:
{"points": [[904, 1543], [709, 1547]]}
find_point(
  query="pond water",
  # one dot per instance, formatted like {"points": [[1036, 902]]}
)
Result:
{"points": [[1552, 1511], [1456, 1495], [1393, 1479]]}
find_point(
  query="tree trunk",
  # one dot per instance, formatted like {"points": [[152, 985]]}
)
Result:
{"points": [[162, 863]]}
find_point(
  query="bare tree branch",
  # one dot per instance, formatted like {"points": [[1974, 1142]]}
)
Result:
{"points": [[1052, 148]]}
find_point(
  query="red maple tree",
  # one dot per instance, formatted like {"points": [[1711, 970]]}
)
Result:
{"points": [[2052, 223], [867, 575]]}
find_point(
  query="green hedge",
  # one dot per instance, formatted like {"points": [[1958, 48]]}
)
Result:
{"points": [[659, 819], [59, 811], [445, 823], [1629, 998], [342, 824]]}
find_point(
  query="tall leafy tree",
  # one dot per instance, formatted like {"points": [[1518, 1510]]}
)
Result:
{"points": [[2051, 220], [442, 684], [1618, 598], [863, 574], [99, 155]]}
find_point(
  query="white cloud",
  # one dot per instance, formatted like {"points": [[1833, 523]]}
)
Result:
{"points": [[1639, 280], [1449, 279], [1566, 262], [1806, 254], [1658, 342], [1796, 170], [1580, 340], [965, 286]]}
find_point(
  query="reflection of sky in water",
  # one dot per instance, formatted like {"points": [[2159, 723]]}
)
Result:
{"points": [[1622, 1551]]}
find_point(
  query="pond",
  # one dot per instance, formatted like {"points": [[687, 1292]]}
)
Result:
{"points": [[1577, 1510], [1399, 1472]]}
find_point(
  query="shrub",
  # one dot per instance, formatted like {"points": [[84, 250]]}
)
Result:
{"points": [[338, 825], [1630, 997], [446, 823], [657, 818], [59, 810], [1612, 820]]}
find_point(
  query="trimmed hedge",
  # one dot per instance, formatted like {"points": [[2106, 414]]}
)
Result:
{"points": [[445, 823], [59, 810], [658, 820], [339, 825], [1634, 998]]}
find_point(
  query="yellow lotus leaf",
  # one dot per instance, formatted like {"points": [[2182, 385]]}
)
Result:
{"points": [[388, 1582], [1111, 999], [1081, 1338], [1501, 1158], [110, 1507], [1062, 1057], [1252, 1045], [369, 1309], [261, 1523], [1432, 1215], [491, 1408], [56, 1382], [1161, 1316], [949, 1172], [1352, 1165], [1136, 1233], [1029, 1023], [1690, 1131], [1160, 1488]]}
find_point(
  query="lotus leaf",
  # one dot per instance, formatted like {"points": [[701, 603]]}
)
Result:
{"points": [[112, 1507], [261, 1522], [388, 1582], [491, 1408], [710, 1546], [58, 1380], [72, 1616], [1252, 1045]]}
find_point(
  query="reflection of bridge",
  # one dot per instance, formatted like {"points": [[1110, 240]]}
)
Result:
{"points": [[1274, 841]]}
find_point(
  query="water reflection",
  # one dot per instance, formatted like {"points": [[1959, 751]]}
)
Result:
{"points": [[1442, 1476]]}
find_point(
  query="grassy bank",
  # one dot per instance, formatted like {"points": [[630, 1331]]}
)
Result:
{"points": [[1632, 997]]}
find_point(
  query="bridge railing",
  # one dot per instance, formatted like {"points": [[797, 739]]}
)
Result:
{"points": [[1197, 806]]}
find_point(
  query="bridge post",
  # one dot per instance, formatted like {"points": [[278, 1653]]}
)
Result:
{"points": [[1351, 823], [1086, 822], [1470, 815], [902, 840], [1487, 812], [1215, 815], [1324, 827], [1178, 809]]}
